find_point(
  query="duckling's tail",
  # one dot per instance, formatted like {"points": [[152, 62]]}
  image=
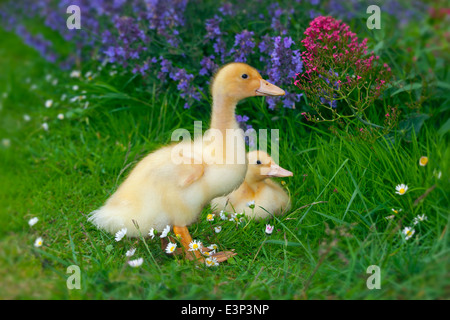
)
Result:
{"points": [[107, 220]]}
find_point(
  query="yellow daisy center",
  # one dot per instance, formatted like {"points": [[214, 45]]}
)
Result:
{"points": [[423, 161], [195, 246], [408, 233], [402, 190]]}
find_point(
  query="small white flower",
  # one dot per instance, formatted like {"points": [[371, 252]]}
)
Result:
{"points": [[32, 221], [408, 232], [222, 215], [45, 126], [26, 117], [213, 247], [195, 245], [48, 77], [151, 233], [33, 87], [401, 189], [390, 217], [55, 82], [38, 242], [210, 217], [136, 263], [251, 204], [130, 252], [63, 97], [396, 211], [6, 143], [75, 88], [217, 229], [88, 74], [208, 253], [61, 116], [211, 261], [437, 174], [269, 229], [171, 247], [420, 218], [75, 74], [165, 232], [48, 103], [120, 234]]}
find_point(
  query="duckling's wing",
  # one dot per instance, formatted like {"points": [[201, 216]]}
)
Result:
{"points": [[189, 173]]}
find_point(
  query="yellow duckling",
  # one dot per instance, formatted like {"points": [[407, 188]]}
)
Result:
{"points": [[170, 186], [257, 190]]}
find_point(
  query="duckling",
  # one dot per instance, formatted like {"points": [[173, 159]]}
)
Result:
{"points": [[171, 185], [257, 190]]}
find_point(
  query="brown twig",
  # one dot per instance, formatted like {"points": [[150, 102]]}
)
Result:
{"points": [[424, 195]]}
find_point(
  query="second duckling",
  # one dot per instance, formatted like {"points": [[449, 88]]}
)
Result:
{"points": [[258, 196]]}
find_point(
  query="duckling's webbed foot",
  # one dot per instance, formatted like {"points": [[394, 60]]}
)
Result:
{"points": [[186, 239], [223, 255]]}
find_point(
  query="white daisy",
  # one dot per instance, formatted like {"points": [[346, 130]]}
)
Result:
{"points": [[213, 247], [211, 261], [32, 221], [420, 218], [75, 88], [408, 232], [26, 117], [48, 103], [401, 189], [208, 253], [38, 242], [222, 215], [61, 116], [130, 252], [437, 174], [396, 211], [210, 217], [165, 232], [6, 143], [136, 263], [171, 247], [75, 74], [152, 233], [251, 204], [423, 161], [120, 234], [45, 126], [217, 229], [195, 245]]}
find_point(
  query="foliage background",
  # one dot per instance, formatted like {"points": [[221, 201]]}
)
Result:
{"points": [[117, 111]]}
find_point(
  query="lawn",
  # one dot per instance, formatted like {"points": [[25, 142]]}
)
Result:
{"points": [[74, 124]]}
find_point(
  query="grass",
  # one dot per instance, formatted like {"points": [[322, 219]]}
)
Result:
{"points": [[342, 192]]}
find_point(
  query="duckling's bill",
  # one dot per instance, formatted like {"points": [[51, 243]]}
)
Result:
{"points": [[268, 89], [277, 171]]}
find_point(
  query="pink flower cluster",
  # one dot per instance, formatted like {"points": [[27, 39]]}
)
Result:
{"points": [[335, 64], [326, 33]]}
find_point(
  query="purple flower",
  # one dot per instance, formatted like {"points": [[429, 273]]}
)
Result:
{"points": [[243, 46], [208, 66]]}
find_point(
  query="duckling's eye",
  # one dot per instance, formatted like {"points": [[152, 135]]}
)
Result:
{"points": [[244, 76], [258, 162]]}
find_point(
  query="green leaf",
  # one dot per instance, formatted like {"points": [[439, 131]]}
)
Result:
{"points": [[408, 87], [412, 123], [444, 128]]}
